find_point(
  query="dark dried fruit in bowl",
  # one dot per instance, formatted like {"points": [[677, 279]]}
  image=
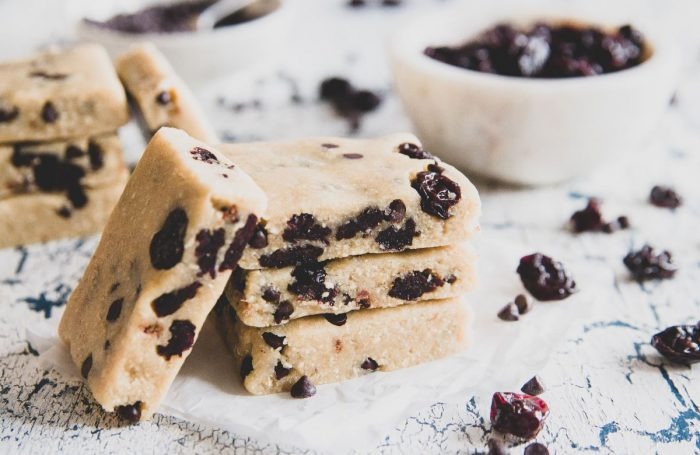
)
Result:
{"points": [[545, 278], [679, 343], [518, 414], [647, 264]]}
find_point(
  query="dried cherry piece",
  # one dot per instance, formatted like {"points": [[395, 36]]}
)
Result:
{"points": [[168, 244], [169, 302], [414, 151], [283, 312], [536, 448], [204, 155], [395, 239], [588, 219], [395, 211], [86, 366], [336, 319], [259, 238], [665, 196], [295, 255], [240, 240], [335, 88], [437, 193], [518, 414], [182, 334], [679, 343], [545, 278], [115, 310], [209, 242], [310, 283], [8, 115], [414, 284], [303, 226], [49, 113], [648, 264]]}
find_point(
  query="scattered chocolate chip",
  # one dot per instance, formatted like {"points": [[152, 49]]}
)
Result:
{"points": [[438, 194], [509, 313], [281, 371], [115, 310], [303, 388], [334, 88], [169, 302], [414, 151], [519, 415], [168, 244], [204, 155], [286, 257], [522, 303], [130, 412], [274, 341], [271, 295], [496, 447], [412, 285], [283, 312], [208, 245], [8, 115], [240, 240], [73, 152], [646, 264], [536, 448], [545, 278], [347, 101], [49, 113], [352, 156], [679, 343], [48, 76], [64, 212], [365, 101], [246, 366], [533, 387], [163, 98], [665, 196], [395, 211], [304, 227], [395, 239], [182, 335], [336, 319], [369, 364], [259, 238], [86, 367], [107, 345], [330, 146], [96, 155]]}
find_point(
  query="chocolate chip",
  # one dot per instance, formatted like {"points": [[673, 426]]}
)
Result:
{"points": [[330, 146], [369, 364], [96, 156], [412, 285], [496, 447], [365, 101], [168, 244], [64, 212], [209, 242], [73, 152], [204, 155], [352, 156], [536, 448], [259, 238], [49, 112], [283, 312], [336, 319], [509, 313], [246, 366], [303, 388], [163, 98], [396, 211], [665, 196], [86, 367], [48, 76], [450, 279], [414, 151], [115, 310], [523, 303], [240, 240], [274, 341], [8, 115], [286, 257], [130, 412], [395, 239], [182, 335], [271, 295], [114, 287], [533, 387], [334, 88], [107, 345], [281, 371], [76, 196], [169, 302], [437, 193], [303, 226]]}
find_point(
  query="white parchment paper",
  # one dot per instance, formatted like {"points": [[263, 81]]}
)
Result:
{"points": [[357, 414]]}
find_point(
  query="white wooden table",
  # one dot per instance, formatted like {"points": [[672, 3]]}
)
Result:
{"points": [[608, 389]]}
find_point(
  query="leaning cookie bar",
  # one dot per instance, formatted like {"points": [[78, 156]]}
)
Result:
{"points": [[163, 260], [60, 94], [333, 198], [273, 359], [274, 296], [162, 97]]}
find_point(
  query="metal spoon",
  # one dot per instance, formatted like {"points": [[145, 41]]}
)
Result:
{"points": [[219, 10]]}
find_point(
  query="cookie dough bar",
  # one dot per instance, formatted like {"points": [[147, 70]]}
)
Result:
{"points": [[332, 198], [161, 96], [162, 262], [40, 217], [272, 359], [33, 167], [60, 94], [269, 297]]}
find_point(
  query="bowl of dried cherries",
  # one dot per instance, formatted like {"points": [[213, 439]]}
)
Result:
{"points": [[532, 97]]}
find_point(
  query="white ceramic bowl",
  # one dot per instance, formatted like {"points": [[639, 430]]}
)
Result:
{"points": [[200, 56], [527, 131]]}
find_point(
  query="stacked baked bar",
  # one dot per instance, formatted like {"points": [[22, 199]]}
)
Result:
{"points": [[61, 166], [359, 264]]}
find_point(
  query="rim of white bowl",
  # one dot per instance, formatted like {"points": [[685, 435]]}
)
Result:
{"points": [[261, 22], [663, 54]]}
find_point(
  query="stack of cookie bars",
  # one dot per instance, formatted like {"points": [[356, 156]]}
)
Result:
{"points": [[62, 169], [359, 265]]}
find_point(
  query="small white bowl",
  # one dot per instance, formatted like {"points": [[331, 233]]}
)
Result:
{"points": [[199, 56], [520, 130]]}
